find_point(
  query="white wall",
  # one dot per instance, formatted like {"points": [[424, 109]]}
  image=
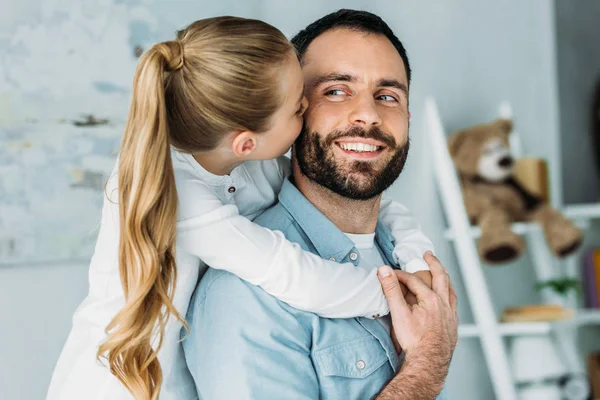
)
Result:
{"points": [[469, 54], [36, 305]]}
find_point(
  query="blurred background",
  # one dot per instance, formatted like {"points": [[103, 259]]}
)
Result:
{"points": [[66, 68]]}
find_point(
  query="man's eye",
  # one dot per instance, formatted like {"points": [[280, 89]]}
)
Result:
{"points": [[334, 92], [387, 97]]}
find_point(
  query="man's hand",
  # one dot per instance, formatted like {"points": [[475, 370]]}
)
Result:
{"points": [[427, 331], [411, 300]]}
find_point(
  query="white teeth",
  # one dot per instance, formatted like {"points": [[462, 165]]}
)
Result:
{"points": [[359, 147]]}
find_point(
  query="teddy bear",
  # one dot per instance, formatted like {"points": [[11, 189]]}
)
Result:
{"points": [[494, 198]]}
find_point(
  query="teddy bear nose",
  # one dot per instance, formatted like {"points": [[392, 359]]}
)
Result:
{"points": [[506, 161]]}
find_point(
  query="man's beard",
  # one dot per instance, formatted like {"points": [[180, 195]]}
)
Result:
{"points": [[318, 163]]}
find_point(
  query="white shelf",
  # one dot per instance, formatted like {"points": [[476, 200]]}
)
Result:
{"points": [[508, 329], [525, 328], [518, 227], [582, 211], [581, 214], [521, 228], [582, 318]]}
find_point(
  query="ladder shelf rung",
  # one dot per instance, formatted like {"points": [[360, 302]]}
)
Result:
{"points": [[584, 317], [520, 228]]}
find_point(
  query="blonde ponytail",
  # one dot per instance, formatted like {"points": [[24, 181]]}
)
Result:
{"points": [[220, 75], [148, 213]]}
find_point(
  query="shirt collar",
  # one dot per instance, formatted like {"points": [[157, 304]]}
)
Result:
{"points": [[237, 177], [328, 240]]}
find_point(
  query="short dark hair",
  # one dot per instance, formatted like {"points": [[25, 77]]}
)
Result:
{"points": [[361, 21]]}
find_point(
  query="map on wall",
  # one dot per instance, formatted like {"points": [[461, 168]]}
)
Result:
{"points": [[66, 68], [52, 181]]}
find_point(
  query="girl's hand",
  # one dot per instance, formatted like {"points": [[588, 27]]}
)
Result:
{"points": [[426, 278]]}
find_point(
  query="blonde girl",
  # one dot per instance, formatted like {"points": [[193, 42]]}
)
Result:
{"points": [[210, 116]]}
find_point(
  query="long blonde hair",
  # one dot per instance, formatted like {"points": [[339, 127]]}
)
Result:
{"points": [[220, 75]]}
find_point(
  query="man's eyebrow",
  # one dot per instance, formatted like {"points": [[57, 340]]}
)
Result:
{"points": [[333, 77], [393, 83], [337, 77]]}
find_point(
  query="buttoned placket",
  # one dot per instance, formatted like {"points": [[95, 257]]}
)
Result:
{"points": [[230, 188], [235, 182]]}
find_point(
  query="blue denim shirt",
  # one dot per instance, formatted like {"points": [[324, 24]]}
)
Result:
{"points": [[246, 344]]}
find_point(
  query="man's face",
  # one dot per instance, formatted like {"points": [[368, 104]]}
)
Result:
{"points": [[355, 136]]}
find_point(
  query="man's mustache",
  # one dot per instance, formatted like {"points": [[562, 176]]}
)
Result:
{"points": [[356, 131]]}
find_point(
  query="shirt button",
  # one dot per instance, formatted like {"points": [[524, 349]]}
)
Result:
{"points": [[360, 364], [331, 258], [231, 189], [353, 256]]}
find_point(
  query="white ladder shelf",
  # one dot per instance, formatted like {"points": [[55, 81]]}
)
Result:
{"points": [[463, 235], [468, 259]]}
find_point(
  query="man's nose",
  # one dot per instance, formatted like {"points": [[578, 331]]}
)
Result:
{"points": [[365, 113]]}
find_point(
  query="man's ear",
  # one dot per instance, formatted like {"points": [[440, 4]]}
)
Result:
{"points": [[244, 143]]}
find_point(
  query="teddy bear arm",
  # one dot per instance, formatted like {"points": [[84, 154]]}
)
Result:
{"points": [[475, 203], [562, 235]]}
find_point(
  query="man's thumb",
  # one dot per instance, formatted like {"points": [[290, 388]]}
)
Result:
{"points": [[389, 281], [392, 290]]}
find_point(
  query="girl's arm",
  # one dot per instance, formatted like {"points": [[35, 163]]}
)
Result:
{"points": [[411, 242], [223, 239]]}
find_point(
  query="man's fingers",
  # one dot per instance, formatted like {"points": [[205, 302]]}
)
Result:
{"points": [[453, 298], [440, 280], [392, 291]]}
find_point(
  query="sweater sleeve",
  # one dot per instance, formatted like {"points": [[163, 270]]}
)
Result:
{"points": [[411, 242]]}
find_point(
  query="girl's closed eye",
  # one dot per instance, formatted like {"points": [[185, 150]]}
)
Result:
{"points": [[303, 107], [301, 110]]}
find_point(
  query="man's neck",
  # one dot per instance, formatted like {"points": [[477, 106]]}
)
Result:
{"points": [[350, 216]]}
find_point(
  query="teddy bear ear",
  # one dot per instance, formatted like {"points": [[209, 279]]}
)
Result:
{"points": [[455, 141], [505, 125]]}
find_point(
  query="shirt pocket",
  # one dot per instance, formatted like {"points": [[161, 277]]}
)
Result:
{"points": [[357, 358]]}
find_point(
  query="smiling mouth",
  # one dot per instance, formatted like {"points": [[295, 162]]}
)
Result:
{"points": [[359, 147]]}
